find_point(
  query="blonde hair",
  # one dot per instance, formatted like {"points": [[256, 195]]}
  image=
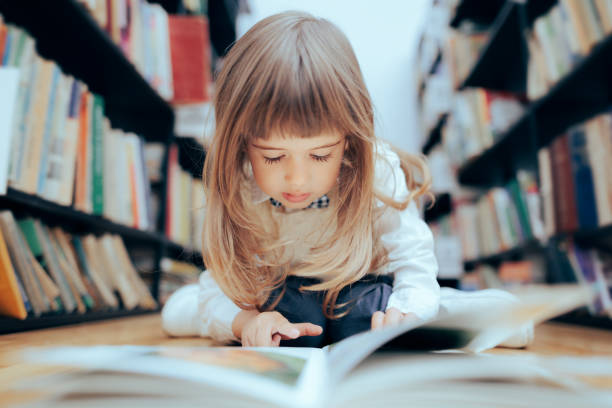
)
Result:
{"points": [[293, 74]]}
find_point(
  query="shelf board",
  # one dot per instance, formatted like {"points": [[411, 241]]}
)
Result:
{"points": [[501, 65], [191, 155], [495, 165], [9, 325], [600, 237], [67, 34], [442, 207], [435, 135], [531, 246], [583, 93], [75, 220], [481, 12], [537, 8]]}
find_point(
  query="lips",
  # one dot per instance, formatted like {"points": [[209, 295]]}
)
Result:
{"points": [[296, 198]]}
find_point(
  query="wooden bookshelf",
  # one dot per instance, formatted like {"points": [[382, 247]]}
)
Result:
{"points": [[512, 254], [66, 33], [584, 92]]}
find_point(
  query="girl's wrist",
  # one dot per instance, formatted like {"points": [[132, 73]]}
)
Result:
{"points": [[241, 319]]}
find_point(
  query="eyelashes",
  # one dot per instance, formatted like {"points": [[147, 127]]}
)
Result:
{"points": [[272, 160]]}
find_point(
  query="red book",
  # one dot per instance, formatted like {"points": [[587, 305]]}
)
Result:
{"points": [[566, 218], [190, 55]]}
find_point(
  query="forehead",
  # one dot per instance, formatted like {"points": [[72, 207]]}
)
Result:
{"points": [[276, 140]]}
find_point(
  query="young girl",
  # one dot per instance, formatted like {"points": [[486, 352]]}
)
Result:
{"points": [[311, 233]]}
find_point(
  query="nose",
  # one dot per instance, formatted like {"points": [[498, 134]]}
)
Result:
{"points": [[296, 174]]}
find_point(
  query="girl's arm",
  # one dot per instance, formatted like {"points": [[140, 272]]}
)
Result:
{"points": [[222, 320], [409, 243]]}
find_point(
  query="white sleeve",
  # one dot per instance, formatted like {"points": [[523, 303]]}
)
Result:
{"points": [[409, 243], [216, 311]]}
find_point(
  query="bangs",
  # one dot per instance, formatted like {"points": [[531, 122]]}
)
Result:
{"points": [[295, 91]]}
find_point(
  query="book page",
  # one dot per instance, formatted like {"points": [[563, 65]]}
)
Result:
{"points": [[472, 329], [273, 376]]}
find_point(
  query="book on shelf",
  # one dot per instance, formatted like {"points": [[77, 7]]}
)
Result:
{"points": [[190, 55], [64, 273], [140, 30], [185, 203], [61, 146], [574, 172], [561, 38], [344, 373], [502, 219]]}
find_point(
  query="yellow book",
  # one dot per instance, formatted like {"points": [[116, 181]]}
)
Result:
{"points": [[11, 302]]}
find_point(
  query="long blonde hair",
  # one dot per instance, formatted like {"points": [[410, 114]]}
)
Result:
{"points": [[293, 74]]}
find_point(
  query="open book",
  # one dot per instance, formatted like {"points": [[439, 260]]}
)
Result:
{"points": [[338, 375]]}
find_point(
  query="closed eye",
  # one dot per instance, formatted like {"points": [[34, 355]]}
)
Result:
{"points": [[321, 158], [272, 160]]}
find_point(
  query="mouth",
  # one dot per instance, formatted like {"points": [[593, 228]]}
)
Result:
{"points": [[296, 198]]}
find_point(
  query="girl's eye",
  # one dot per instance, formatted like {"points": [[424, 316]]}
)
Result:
{"points": [[321, 158], [272, 160]]}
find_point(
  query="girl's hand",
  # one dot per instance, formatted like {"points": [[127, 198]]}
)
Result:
{"points": [[269, 328], [390, 318]]}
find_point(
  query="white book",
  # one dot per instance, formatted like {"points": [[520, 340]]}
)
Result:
{"points": [[9, 83]]}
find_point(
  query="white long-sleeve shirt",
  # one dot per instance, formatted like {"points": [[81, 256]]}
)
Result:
{"points": [[405, 236]]}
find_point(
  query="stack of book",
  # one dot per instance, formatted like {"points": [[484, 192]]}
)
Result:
{"points": [[575, 178], [45, 270], [562, 37], [502, 219]]}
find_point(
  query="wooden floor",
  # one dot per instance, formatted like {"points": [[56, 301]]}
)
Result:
{"points": [[550, 339]]}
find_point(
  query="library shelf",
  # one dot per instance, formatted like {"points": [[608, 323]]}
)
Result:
{"points": [[600, 237], [71, 219], [530, 246], [537, 8], [10, 325], [179, 252], [583, 93], [501, 65], [442, 206], [435, 135], [477, 11], [191, 155], [495, 165], [67, 34]]}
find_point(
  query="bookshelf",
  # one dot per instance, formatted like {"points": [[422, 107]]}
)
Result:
{"points": [[579, 95], [67, 34]]}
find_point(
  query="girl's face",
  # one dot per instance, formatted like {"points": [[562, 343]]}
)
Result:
{"points": [[297, 171]]}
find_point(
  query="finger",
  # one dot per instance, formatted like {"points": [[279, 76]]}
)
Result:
{"points": [[308, 329], [410, 317], [392, 317], [377, 320], [288, 331], [276, 339]]}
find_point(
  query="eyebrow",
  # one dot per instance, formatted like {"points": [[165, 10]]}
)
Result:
{"points": [[278, 148]]}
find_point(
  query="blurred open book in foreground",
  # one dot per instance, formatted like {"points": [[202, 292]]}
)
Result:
{"points": [[341, 374]]}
